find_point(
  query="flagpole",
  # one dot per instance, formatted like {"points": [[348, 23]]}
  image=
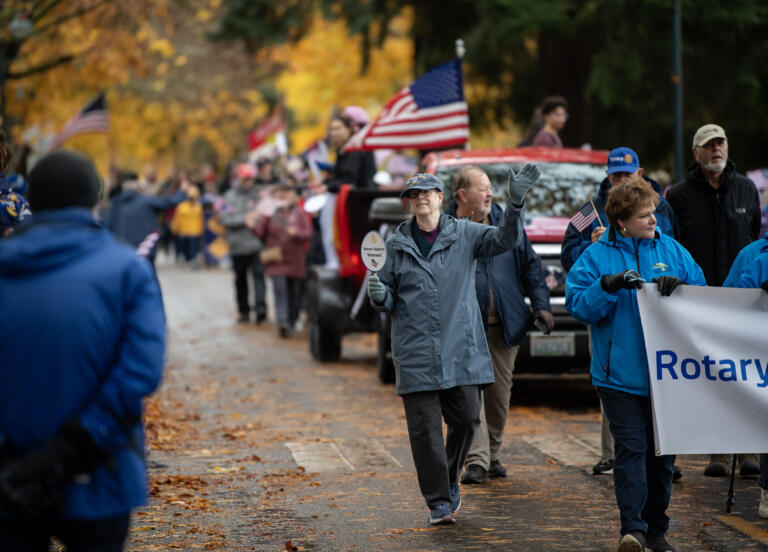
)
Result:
{"points": [[460, 50], [600, 222]]}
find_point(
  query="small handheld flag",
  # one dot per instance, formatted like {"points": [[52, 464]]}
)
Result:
{"points": [[146, 245], [584, 217]]}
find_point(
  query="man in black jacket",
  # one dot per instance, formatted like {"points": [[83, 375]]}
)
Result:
{"points": [[719, 213], [718, 209], [500, 284]]}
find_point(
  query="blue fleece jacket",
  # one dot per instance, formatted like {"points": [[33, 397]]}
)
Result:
{"points": [[619, 359], [84, 337]]}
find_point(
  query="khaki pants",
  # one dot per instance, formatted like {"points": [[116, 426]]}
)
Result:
{"points": [[493, 414]]}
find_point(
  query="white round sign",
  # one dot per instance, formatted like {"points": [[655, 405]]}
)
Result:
{"points": [[373, 251], [315, 203]]}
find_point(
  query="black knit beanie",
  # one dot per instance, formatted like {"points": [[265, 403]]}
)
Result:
{"points": [[63, 179]]}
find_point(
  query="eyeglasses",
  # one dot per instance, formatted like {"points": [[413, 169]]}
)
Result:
{"points": [[414, 194]]}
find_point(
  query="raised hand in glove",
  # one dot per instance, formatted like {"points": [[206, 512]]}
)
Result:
{"points": [[764, 285], [30, 484], [629, 279], [519, 184], [544, 321], [376, 290], [667, 284]]}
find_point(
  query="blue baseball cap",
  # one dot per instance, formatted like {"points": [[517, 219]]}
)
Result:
{"points": [[422, 181], [622, 160]]}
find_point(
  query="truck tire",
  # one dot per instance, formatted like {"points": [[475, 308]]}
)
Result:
{"points": [[384, 357], [324, 345]]}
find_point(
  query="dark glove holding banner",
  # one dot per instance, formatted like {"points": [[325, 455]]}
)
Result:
{"points": [[544, 321], [30, 484], [629, 279], [764, 285], [667, 284]]}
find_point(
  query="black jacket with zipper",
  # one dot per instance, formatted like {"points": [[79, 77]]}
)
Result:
{"points": [[715, 223]]}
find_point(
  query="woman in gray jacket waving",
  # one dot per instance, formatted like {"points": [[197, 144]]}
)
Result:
{"points": [[438, 343]]}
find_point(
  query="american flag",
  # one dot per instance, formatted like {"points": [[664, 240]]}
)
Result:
{"points": [[430, 113], [584, 217], [92, 118], [146, 245]]}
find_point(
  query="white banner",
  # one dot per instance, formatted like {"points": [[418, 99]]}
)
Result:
{"points": [[708, 368]]}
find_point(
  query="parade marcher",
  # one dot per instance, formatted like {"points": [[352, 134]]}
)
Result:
{"points": [[352, 167], [88, 346], [132, 215], [438, 344], [623, 164], [719, 213], [754, 275], [187, 224], [265, 172], [554, 110], [744, 258], [600, 292], [244, 246], [501, 282], [13, 205], [288, 231]]}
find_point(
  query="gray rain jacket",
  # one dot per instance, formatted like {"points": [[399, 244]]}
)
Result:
{"points": [[438, 341], [240, 238]]}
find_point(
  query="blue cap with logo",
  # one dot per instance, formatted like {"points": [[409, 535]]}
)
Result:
{"points": [[622, 160], [422, 181]]}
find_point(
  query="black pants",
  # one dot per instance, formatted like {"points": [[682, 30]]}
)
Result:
{"points": [[241, 264], [102, 535], [438, 464], [289, 295]]}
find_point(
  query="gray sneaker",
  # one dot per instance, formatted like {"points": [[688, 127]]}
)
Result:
{"points": [[632, 542], [762, 509], [441, 515], [659, 544]]}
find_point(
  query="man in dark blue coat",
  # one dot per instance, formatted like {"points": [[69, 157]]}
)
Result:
{"points": [[88, 345], [500, 284], [132, 215], [623, 164]]}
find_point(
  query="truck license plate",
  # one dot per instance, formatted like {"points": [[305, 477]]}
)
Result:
{"points": [[555, 345]]}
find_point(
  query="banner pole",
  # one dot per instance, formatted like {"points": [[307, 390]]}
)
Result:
{"points": [[729, 503]]}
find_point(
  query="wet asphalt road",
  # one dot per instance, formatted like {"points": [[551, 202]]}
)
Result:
{"points": [[253, 444]]}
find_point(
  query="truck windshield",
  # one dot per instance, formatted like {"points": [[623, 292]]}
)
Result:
{"points": [[563, 188]]}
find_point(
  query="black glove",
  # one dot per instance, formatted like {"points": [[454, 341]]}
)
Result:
{"points": [[30, 484], [764, 285], [629, 279], [667, 284], [544, 321]]}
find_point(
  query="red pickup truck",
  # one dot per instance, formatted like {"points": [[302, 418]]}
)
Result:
{"points": [[569, 177]]}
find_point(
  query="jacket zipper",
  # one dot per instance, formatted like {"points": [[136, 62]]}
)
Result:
{"points": [[637, 254], [607, 366]]}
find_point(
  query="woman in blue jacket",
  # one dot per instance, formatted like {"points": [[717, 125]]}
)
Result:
{"points": [[600, 291], [438, 344]]}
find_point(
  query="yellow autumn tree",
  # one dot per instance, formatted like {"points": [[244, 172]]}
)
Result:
{"points": [[322, 72], [173, 97]]}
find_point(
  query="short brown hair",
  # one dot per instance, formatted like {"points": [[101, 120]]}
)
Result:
{"points": [[625, 198], [550, 103], [463, 179]]}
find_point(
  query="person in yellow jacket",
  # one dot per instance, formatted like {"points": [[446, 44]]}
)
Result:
{"points": [[187, 224]]}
